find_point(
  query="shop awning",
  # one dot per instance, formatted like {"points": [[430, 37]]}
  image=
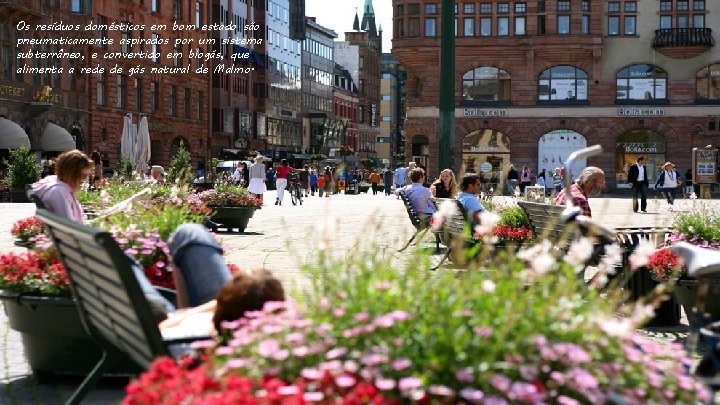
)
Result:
{"points": [[258, 58], [12, 136], [56, 139]]}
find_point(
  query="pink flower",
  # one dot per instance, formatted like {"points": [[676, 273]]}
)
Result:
{"points": [[409, 383], [338, 312], [471, 394], [345, 381], [288, 390], [313, 396], [465, 374], [362, 316], [268, 347], [311, 373], [401, 364], [385, 384], [335, 353], [482, 331]]}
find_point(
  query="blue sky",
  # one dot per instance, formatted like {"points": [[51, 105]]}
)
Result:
{"points": [[338, 15]]}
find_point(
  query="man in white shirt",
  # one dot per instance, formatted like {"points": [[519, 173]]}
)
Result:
{"points": [[637, 178]]}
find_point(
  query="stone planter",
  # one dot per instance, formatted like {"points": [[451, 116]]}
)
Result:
{"points": [[685, 293], [53, 336], [232, 217]]}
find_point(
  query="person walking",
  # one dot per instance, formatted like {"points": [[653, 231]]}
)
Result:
{"points": [[668, 182], [400, 177], [512, 180], [689, 189], [388, 180], [256, 172], [637, 178], [374, 180], [282, 180], [557, 180], [313, 179], [328, 180], [525, 179]]}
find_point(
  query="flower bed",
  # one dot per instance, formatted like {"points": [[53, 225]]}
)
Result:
{"points": [[519, 329], [25, 229]]}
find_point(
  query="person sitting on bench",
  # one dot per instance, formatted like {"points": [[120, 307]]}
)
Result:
{"points": [[58, 192], [470, 187], [419, 195]]}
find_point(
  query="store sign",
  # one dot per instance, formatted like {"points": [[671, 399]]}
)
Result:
{"points": [[643, 147], [485, 167], [485, 149], [373, 115], [484, 112], [641, 112], [160, 126], [704, 165]]}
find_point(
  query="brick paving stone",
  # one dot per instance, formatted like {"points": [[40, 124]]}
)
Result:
{"points": [[281, 239]]}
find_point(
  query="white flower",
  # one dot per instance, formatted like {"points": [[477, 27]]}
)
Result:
{"points": [[488, 220], [642, 313], [579, 252], [488, 286], [616, 327], [642, 253], [693, 196], [542, 263], [447, 208]]}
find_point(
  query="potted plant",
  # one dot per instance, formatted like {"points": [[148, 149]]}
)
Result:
{"points": [[701, 227], [35, 291], [25, 230], [180, 170], [232, 205], [22, 170]]}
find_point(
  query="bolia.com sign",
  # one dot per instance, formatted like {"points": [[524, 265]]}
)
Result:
{"points": [[643, 147]]}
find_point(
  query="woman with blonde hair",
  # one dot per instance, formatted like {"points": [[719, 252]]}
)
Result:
{"points": [[58, 192], [445, 186]]}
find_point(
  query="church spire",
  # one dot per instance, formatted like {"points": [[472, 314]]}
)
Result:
{"points": [[356, 23], [368, 18]]}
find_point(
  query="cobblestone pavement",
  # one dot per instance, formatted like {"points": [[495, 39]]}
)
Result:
{"points": [[280, 239]]}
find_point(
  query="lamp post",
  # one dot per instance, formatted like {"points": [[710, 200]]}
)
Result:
{"points": [[447, 85]]}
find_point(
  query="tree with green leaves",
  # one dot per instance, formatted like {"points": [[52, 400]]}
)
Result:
{"points": [[22, 168], [181, 166]]}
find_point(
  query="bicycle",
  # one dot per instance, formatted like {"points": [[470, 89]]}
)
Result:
{"points": [[294, 189]]}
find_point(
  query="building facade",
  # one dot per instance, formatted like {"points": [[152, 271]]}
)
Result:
{"points": [[345, 109], [536, 80], [279, 114], [321, 128], [234, 77], [391, 142], [42, 105]]}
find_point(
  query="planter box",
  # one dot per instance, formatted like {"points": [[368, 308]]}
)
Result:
{"points": [[53, 336], [685, 294], [233, 217]]}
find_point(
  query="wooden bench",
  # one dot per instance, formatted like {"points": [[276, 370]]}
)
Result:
{"points": [[454, 230], [421, 226], [545, 219], [110, 300]]}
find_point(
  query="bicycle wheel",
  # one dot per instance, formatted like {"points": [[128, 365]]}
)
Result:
{"points": [[293, 195]]}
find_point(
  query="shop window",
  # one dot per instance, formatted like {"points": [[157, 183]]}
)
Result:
{"points": [[634, 143], [555, 147], [485, 84], [563, 83], [708, 83], [487, 152], [641, 82]]}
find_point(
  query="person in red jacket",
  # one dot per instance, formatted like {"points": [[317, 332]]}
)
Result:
{"points": [[282, 180]]}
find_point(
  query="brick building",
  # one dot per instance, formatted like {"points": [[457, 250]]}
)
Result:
{"points": [[172, 96], [59, 119], [535, 80]]}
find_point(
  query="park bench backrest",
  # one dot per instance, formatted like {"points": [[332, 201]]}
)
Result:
{"points": [[545, 219], [110, 301], [35, 199], [412, 214]]}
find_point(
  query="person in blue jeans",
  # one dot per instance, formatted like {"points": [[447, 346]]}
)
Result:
{"points": [[199, 272]]}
